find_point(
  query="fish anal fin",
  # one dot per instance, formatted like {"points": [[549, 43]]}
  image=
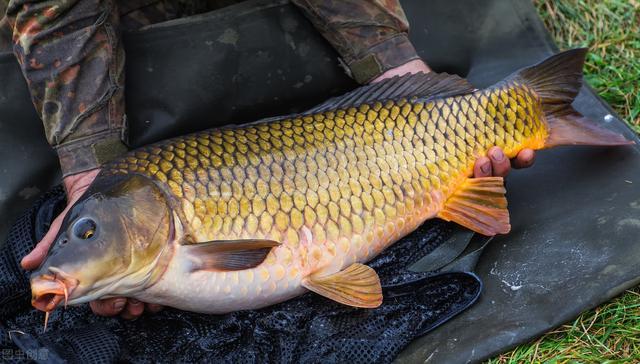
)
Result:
{"points": [[229, 255], [479, 204], [357, 285]]}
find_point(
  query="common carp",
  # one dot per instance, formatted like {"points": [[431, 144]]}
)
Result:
{"points": [[242, 217]]}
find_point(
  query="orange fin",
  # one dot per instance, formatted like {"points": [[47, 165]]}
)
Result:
{"points": [[480, 205], [358, 285], [229, 255]]}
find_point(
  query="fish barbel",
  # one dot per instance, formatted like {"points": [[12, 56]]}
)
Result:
{"points": [[247, 216]]}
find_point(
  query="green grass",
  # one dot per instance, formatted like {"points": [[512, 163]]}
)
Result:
{"points": [[608, 334], [611, 29]]}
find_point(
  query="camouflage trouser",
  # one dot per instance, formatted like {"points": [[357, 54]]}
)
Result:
{"points": [[71, 54], [134, 14], [72, 57], [5, 30]]}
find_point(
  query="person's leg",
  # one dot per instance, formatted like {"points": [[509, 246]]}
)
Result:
{"points": [[5, 29], [135, 14]]}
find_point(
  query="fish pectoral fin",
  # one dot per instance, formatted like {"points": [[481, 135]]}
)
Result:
{"points": [[358, 285], [480, 205], [229, 255]]}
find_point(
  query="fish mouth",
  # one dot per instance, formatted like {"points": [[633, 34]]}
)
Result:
{"points": [[49, 290]]}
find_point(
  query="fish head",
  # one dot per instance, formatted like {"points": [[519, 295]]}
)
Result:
{"points": [[111, 243]]}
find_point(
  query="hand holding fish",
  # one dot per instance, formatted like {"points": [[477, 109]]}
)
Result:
{"points": [[75, 185], [243, 217], [131, 308], [494, 164]]}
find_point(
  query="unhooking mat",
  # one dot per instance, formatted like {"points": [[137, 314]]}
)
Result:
{"points": [[576, 229]]}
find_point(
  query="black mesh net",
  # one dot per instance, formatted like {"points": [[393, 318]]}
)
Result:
{"points": [[307, 329]]}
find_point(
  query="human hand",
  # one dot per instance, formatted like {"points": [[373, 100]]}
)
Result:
{"points": [[497, 165], [127, 308], [75, 187], [415, 66]]}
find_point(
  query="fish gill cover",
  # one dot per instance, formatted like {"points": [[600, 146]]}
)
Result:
{"points": [[306, 329]]}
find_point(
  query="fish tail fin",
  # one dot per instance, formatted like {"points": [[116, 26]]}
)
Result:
{"points": [[557, 81]]}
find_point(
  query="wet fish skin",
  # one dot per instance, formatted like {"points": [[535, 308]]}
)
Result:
{"points": [[329, 171]]}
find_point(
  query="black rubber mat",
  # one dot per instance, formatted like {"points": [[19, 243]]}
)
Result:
{"points": [[575, 220]]}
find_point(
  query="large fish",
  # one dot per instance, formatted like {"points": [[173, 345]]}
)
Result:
{"points": [[247, 216]]}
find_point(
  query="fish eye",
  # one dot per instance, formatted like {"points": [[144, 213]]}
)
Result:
{"points": [[84, 228]]}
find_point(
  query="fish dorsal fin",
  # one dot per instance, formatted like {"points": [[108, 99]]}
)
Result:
{"points": [[228, 255], [417, 85], [479, 204], [358, 285]]}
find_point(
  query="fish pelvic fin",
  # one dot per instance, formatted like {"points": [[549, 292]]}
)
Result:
{"points": [[357, 285], [479, 204], [557, 81]]}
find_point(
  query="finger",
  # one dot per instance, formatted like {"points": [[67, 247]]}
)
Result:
{"points": [[524, 159], [133, 310], [482, 168], [500, 164], [108, 306], [36, 256], [154, 308]]}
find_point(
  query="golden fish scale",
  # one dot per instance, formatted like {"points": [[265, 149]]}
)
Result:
{"points": [[351, 181]]}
